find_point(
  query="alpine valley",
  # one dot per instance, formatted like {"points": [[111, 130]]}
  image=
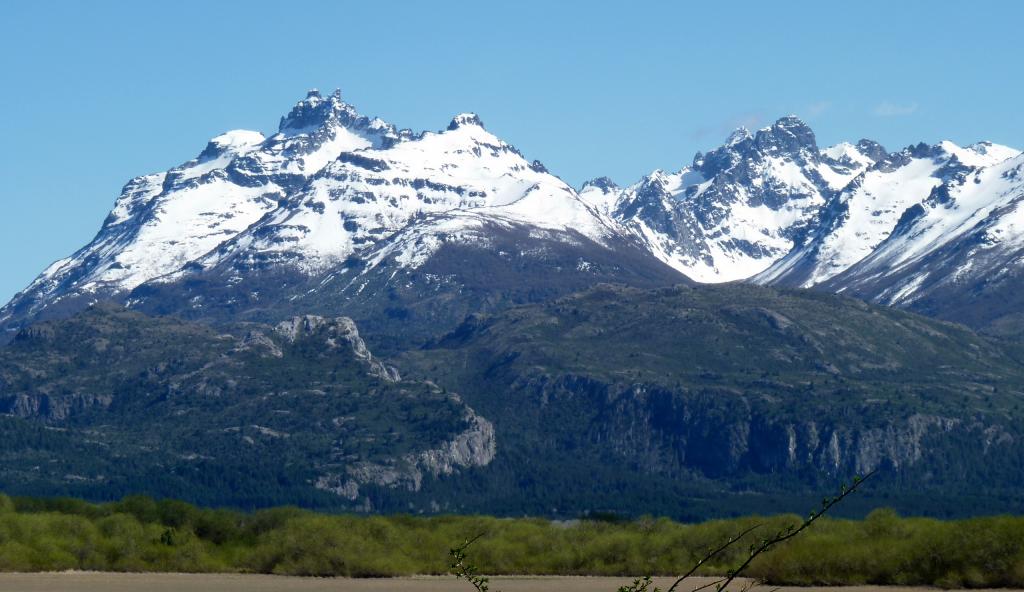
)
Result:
{"points": [[353, 316]]}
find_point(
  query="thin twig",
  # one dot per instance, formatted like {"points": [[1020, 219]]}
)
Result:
{"points": [[466, 571], [791, 532], [711, 554]]}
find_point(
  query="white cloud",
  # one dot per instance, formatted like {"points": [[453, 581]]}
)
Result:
{"points": [[890, 109]]}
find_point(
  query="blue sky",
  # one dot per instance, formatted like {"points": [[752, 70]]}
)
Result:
{"points": [[95, 93]]}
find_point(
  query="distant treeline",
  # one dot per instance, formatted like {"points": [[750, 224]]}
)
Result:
{"points": [[142, 534]]}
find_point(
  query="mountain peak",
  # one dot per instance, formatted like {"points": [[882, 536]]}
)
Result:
{"points": [[789, 121], [603, 183], [790, 124], [979, 154], [316, 111], [996, 152], [872, 149], [465, 119], [787, 134], [232, 141], [738, 135]]}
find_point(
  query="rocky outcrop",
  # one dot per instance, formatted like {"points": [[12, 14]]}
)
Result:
{"points": [[50, 407], [259, 342], [836, 449], [728, 434], [476, 446], [337, 333]]}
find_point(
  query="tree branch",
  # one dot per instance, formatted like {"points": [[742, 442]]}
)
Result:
{"points": [[791, 531]]}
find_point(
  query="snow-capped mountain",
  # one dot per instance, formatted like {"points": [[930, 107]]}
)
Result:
{"points": [[865, 212], [327, 203], [367, 194], [957, 254], [739, 208], [163, 221], [773, 208], [338, 213]]}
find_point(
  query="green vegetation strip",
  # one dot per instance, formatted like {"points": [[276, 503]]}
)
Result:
{"points": [[140, 534]]}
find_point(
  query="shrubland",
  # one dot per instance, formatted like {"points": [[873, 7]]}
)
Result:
{"points": [[143, 534]]}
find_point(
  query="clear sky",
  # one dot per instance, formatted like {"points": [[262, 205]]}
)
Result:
{"points": [[94, 93]]}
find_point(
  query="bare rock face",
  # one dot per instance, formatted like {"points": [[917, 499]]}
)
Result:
{"points": [[50, 407], [476, 446], [258, 341], [337, 333], [721, 385], [836, 449], [672, 434]]}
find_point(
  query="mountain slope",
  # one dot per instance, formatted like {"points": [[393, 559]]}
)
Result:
{"points": [[322, 210], [955, 255], [856, 220], [614, 399], [300, 412], [338, 213], [736, 387], [772, 208], [738, 208], [163, 221], [367, 195], [409, 240]]}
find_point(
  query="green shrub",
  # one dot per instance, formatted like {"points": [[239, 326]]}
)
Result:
{"points": [[140, 534]]}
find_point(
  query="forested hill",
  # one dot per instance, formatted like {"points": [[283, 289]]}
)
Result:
{"points": [[688, 401], [746, 388]]}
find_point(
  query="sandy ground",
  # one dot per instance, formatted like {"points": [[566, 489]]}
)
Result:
{"points": [[111, 582]]}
